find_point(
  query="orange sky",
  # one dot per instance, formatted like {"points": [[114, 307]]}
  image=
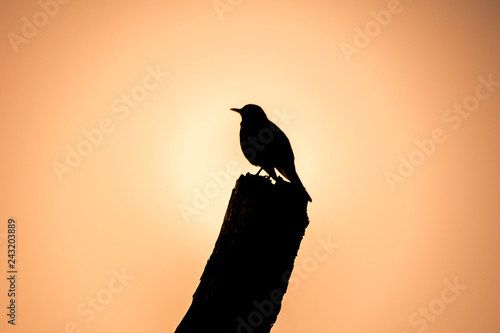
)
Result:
{"points": [[141, 92]]}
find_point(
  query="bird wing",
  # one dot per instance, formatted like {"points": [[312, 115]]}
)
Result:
{"points": [[280, 146]]}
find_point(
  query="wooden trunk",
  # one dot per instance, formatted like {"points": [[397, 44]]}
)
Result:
{"points": [[242, 286]]}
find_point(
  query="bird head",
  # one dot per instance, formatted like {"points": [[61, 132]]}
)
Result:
{"points": [[251, 112]]}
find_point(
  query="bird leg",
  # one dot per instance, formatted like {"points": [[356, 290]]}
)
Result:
{"points": [[280, 180], [260, 171], [270, 171]]}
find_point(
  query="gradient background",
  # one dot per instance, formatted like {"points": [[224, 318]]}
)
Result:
{"points": [[120, 207]]}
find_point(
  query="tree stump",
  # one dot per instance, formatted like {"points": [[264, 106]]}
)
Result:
{"points": [[242, 286]]}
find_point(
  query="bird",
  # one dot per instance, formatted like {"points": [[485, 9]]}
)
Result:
{"points": [[267, 146]]}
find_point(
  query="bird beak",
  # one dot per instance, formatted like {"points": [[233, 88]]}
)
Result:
{"points": [[236, 110]]}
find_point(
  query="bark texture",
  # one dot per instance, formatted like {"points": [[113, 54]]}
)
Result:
{"points": [[242, 286]]}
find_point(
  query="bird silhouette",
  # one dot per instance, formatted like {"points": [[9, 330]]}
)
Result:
{"points": [[266, 146]]}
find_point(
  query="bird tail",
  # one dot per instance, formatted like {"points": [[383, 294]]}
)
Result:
{"points": [[293, 177], [308, 197]]}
